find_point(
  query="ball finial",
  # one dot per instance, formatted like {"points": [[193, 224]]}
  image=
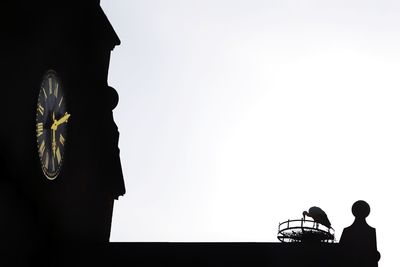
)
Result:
{"points": [[360, 209], [113, 97]]}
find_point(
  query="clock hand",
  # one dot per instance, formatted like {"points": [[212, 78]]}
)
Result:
{"points": [[63, 119], [53, 143], [54, 125], [53, 132]]}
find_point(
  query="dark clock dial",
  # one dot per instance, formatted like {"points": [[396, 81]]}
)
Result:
{"points": [[51, 124]]}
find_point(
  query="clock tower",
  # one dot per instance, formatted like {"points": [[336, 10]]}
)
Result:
{"points": [[60, 165]]}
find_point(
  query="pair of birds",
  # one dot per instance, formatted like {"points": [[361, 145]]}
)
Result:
{"points": [[318, 215]]}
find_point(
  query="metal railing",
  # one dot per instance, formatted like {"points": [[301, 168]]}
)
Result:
{"points": [[296, 231]]}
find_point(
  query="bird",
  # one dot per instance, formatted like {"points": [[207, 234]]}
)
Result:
{"points": [[318, 215]]}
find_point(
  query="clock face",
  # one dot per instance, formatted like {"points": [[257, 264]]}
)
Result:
{"points": [[51, 124]]}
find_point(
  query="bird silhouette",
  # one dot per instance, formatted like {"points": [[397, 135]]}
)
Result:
{"points": [[318, 215]]}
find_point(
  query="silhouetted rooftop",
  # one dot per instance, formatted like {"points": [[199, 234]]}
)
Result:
{"points": [[75, 21]]}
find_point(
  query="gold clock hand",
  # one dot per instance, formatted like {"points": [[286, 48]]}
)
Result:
{"points": [[53, 143], [53, 132], [54, 125], [63, 119]]}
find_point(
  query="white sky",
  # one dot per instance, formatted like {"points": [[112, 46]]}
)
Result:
{"points": [[237, 115]]}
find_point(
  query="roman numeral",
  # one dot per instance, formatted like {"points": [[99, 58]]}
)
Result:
{"points": [[39, 129], [56, 90], [41, 148], [40, 109], [50, 85], [58, 155], [47, 160], [53, 165], [44, 92], [59, 104], [62, 140]]}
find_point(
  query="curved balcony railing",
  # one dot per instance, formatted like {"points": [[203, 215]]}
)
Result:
{"points": [[300, 230]]}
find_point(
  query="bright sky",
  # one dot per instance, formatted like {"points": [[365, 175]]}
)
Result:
{"points": [[237, 115]]}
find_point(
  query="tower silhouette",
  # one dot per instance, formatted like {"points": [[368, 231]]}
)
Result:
{"points": [[72, 207]]}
